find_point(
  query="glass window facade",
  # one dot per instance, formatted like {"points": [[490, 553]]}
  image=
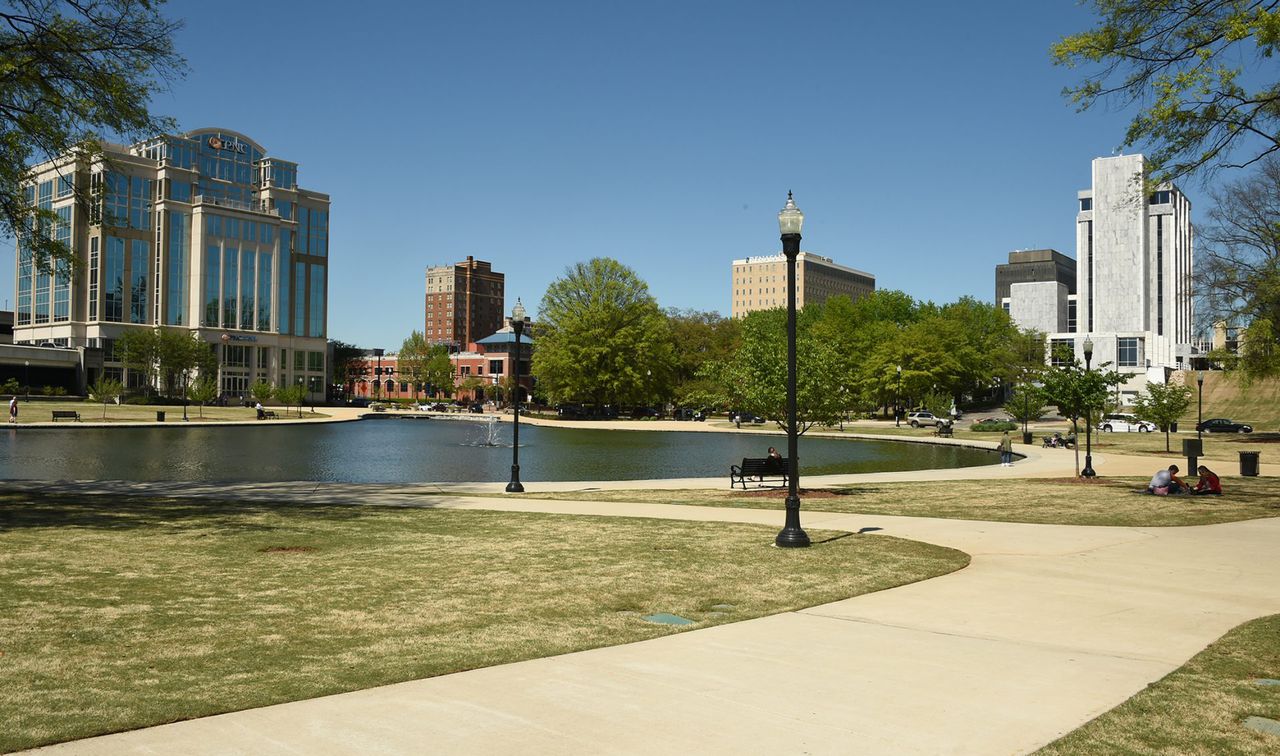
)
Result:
{"points": [[316, 301], [248, 261], [212, 279], [230, 271], [264, 291], [179, 257], [1129, 351], [299, 299], [113, 280], [139, 269]]}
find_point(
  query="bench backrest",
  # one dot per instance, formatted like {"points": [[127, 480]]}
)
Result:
{"points": [[758, 465]]}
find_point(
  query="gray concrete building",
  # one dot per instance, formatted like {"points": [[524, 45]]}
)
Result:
{"points": [[1045, 281], [1133, 295]]}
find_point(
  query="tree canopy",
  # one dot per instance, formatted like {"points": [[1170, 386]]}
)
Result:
{"points": [[1163, 404], [1199, 71], [70, 69], [602, 338], [1238, 269]]}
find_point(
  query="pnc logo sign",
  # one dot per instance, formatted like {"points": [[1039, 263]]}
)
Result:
{"points": [[223, 144]]}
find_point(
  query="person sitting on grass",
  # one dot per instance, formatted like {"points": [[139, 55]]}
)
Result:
{"points": [[1208, 485], [1167, 483]]}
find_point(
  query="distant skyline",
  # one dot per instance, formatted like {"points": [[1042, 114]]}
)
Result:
{"points": [[923, 143]]}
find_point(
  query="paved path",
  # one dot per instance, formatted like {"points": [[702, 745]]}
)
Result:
{"points": [[1048, 627]]}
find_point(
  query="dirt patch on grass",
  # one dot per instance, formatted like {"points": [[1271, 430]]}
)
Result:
{"points": [[287, 549]]}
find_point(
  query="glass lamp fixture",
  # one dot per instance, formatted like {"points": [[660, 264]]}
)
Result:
{"points": [[790, 219], [518, 312]]}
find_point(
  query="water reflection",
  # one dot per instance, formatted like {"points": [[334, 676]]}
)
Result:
{"points": [[429, 450]]}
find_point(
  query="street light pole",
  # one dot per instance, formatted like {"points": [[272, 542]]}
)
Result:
{"points": [[185, 378], [1200, 409], [26, 379], [1088, 472], [897, 399], [790, 220], [517, 324]]}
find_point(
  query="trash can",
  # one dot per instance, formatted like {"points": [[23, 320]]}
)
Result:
{"points": [[159, 417], [1249, 463], [1173, 427], [1026, 437]]}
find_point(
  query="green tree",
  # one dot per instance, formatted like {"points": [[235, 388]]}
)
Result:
{"points": [[1163, 404], [1026, 403], [755, 379], [139, 350], [439, 371], [413, 359], [292, 396], [203, 391], [105, 390], [262, 391], [703, 337], [602, 338], [1078, 392], [1200, 69], [1238, 267], [72, 69]]}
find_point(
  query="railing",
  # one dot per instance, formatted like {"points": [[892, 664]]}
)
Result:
{"points": [[261, 206]]}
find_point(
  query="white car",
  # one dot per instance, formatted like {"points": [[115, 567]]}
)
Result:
{"points": [[1125, 423]]}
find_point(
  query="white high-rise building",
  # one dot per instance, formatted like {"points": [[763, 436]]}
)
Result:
{"points": [[1134, 256]]}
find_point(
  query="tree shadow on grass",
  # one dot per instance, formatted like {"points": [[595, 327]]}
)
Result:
{"points": [[36, 510]]}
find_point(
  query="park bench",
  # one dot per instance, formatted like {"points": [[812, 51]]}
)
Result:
{"points": [[943, 430], [267, 415], [761, 468], [66, 415]]}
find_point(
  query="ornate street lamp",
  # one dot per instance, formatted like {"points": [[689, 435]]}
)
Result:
{"points": [[897, 392], [790, 219], [186, 377], [518, 321], [1088, 472]]}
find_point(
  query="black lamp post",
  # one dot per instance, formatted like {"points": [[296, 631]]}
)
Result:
{"points": [[1088, 472], [1200, 407], [26, 378], [518, 321], [897, 392], [377, 375], [185, 379], [790, 219]]}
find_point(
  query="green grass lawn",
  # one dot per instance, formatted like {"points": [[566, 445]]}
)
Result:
{"points": [[117, 613], [1197, 709], [1104, 501], [39, 411]]}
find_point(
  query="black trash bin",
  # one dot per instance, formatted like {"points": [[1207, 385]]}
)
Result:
{"points": [[1249, 463], [1173, 427], [1026, 437], [159, 417]]}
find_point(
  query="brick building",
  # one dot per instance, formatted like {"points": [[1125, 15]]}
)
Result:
{"points": [[464, 302]]}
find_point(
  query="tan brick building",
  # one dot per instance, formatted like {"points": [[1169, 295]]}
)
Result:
{"points": [[464, 302], [760, 283]]}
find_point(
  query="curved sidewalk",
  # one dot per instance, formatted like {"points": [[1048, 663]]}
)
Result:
{"points": [[1048, 627]]}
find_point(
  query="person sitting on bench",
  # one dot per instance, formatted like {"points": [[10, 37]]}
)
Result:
{"points": [[1167, 483], [1208, 485]]}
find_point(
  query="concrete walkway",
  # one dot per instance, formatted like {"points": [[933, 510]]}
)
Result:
{"points": [[1047, 628]]}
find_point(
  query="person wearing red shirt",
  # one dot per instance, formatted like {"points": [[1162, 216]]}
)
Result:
{"points": [[1208, 483]]}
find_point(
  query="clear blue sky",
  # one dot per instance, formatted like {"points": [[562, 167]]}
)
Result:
{"points": [[923, 141]]}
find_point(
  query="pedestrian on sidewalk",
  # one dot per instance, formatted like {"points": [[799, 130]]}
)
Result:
{"points": [[1006, 450], [13, 409]]}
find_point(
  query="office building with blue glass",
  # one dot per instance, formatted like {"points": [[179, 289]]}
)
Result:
{"points": [[202, 232]]}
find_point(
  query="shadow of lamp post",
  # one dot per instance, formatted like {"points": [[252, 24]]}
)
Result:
{"points": [[518, 321], [790, 220], [1088, 472]]}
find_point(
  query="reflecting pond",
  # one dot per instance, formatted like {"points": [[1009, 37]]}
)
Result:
{"points": [[420, 450]]}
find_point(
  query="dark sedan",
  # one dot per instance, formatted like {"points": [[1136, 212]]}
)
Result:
{"points": [[1223, 425]]}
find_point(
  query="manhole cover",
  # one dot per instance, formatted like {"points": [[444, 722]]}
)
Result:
{"points": [[1262, 724], [662, 618]]}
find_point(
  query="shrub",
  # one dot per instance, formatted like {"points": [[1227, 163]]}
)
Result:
{"points": [[993, 427]]}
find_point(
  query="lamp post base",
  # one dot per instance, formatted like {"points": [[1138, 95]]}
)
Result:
{"points": [[514, 486], [792, 535], [1088, 472]]}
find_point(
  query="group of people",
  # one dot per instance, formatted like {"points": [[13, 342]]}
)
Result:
{"points": [[1167, 483]]}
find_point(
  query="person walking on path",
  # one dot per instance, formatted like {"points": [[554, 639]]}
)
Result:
{"points": [[1006, 450], [13, 409]]}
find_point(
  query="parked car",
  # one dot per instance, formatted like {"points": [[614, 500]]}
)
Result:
{"points": [[921, 419], [637, 412], [1122, 422], [684, 413], [993, 420], [745, 417], [1223, 425], [476, 409]]}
